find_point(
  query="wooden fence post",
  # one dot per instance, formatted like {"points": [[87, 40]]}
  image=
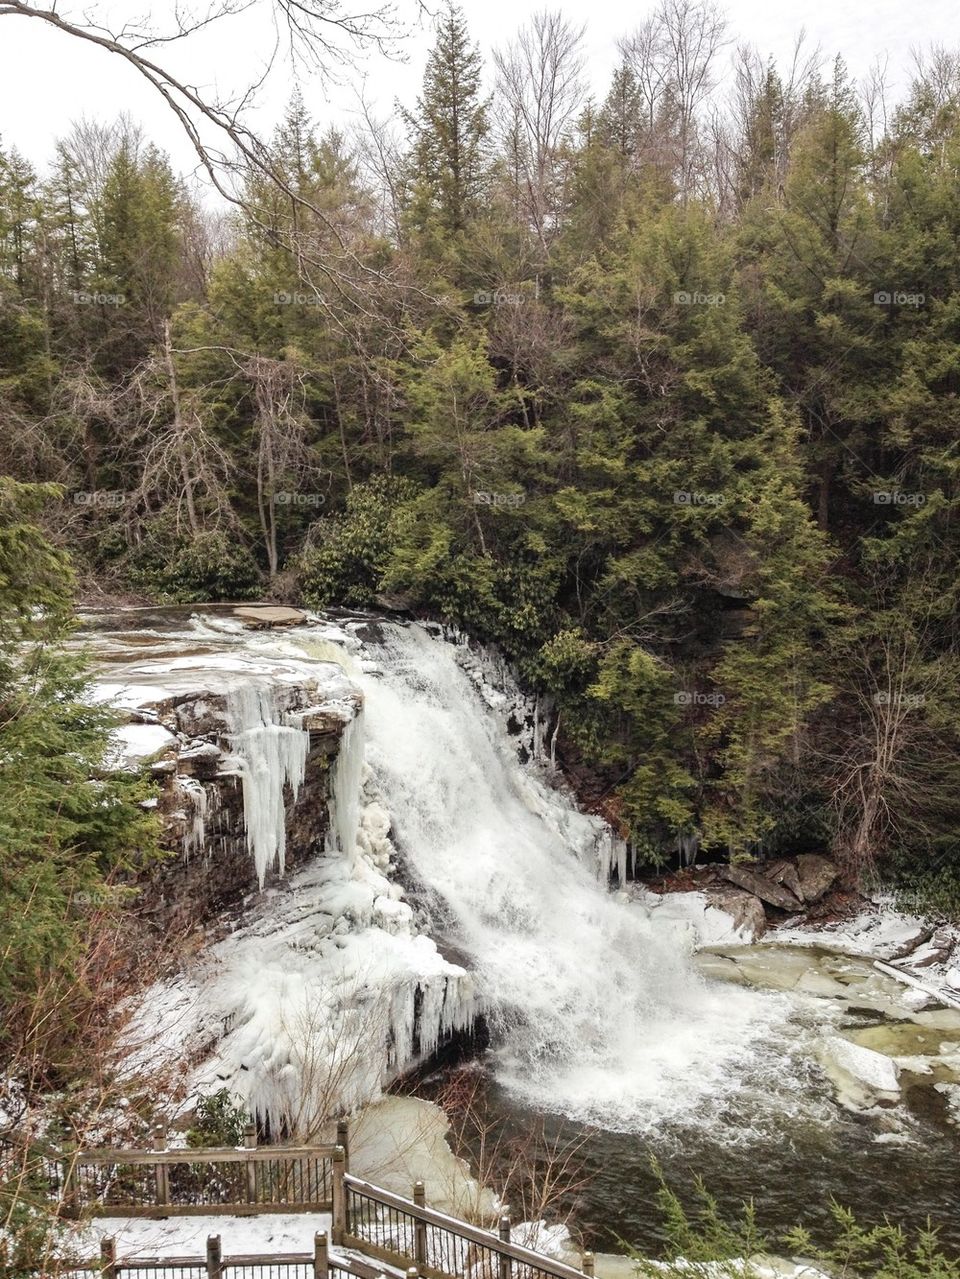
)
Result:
{"points": [[419, 1227], [162, 1172], [71, 1181], [587, 1264], [321, 1256], [505, 1263], [214, 1258], [339, 1228], [343, 1139], [108, 1257], [250, 1143]]}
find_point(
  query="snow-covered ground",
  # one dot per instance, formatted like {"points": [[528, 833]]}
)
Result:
{"points": [[187, 1236]]}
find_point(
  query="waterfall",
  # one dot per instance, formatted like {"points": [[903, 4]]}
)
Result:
{"points": [[335, 981], [594, 1011], [272, 755]]}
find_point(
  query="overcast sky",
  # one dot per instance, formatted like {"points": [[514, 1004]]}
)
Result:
{"points": [[48, 79]]}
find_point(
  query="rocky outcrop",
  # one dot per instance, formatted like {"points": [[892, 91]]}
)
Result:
{"points": [[746, 910], [258, 616], [758, 894], [241, 738], [764, 887], [817, 876]]}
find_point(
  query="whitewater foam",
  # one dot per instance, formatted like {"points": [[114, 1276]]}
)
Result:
{"points": [[594, 1012]]}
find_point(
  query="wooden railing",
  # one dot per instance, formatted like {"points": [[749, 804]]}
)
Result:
{"points": [[322, 1263], [236, 1180], [405, 1232]]}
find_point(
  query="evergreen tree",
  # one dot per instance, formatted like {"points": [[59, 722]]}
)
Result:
{"points": [[449, 161], [67, 828]]}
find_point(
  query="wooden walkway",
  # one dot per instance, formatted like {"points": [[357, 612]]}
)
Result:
{"points": [[373, 1231]]}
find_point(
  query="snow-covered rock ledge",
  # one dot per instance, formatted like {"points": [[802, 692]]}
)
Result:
{"points": [[923, 954], [241, 730]]}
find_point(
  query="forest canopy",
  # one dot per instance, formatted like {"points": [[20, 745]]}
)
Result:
{"points": [[655, 389]]}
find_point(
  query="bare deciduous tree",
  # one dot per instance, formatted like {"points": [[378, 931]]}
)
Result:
{"points": [[672, 56], [540, 92], [282, 453], [890, 774], [179, 459]]}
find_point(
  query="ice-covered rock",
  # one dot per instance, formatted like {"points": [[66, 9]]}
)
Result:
{"points": [[246, 725], [862, 1078], [130, 744]]}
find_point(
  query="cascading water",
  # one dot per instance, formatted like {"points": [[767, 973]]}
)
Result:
{"points": [[333, 983], [595, 1012], [329, 983]]}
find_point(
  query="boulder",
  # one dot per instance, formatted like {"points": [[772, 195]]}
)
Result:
{"points": [[750, 878], [784, 872], [817, 874], [260, 615], [863, 1078], [745, 910]]}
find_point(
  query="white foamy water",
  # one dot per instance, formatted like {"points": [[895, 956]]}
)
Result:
{"points": [[595, 1011]]}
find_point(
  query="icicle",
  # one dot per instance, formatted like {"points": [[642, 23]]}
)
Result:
{"points": [[612, 855], [345, 791], [272, 755], [196, 832]]}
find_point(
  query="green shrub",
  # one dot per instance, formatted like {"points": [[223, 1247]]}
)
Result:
{"points": [[704, 1245], [348, 553], [219, 1121], [210, 566]]}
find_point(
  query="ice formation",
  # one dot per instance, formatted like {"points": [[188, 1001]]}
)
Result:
{"points": [[198, 802], [337, 980], [345, 790], [314, 1004], [273, 756]]}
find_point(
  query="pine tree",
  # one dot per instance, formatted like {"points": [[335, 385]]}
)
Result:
{"points": [[66, 827], [449, 163]]}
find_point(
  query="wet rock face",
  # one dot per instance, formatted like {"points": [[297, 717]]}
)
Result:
{"points": [[206, 876], [241, 735]]}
